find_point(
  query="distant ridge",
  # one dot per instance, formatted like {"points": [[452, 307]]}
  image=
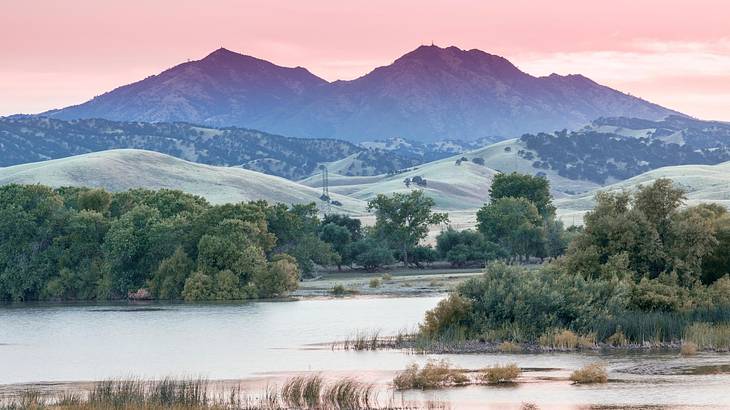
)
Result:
{"points": [[428, 94]]}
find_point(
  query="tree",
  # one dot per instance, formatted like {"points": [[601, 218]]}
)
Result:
{"points": [[514, 224], [403, 219], [371, 254], [97, 200], [533, 188], [169, 278], [339, 238]]}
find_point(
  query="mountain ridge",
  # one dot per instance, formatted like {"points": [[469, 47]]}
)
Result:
{"points": [[428, 94]]}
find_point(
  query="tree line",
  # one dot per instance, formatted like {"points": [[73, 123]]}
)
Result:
{"points": [[643, 268]]}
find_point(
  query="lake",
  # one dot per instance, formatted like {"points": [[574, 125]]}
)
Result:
{"points": [[53, 343]]}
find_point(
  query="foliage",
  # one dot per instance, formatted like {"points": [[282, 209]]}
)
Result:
{"points": [[371, 254], [84, 244], [466, 247], [590, 373], [403, 219], [500, 374], [533, 188], [434, 374]]}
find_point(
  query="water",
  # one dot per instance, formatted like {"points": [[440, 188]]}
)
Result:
{"points": [[51, 343]]}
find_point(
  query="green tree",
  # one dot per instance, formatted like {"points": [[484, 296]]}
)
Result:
{"points": [[535, 189], [371, 254], [514, 224], [169, 278], [339, 238], [404, 219]]}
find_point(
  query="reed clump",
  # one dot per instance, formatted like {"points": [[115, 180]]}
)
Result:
{"points": [[589, 374], [499, 374], [688, 349], [707, 336], [433, 375]]}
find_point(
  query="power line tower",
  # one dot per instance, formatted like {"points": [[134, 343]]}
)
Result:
{"points": [[325, 188]]}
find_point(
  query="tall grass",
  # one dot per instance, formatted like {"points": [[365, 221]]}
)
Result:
{"points": [[434, 374], [303, 392], [657, 327], [707, 336]]}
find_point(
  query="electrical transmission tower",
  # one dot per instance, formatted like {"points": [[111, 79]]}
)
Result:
{"points": [[325, 188]]}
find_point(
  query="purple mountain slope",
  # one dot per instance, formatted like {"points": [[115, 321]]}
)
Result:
{"points": [[428, 94]]}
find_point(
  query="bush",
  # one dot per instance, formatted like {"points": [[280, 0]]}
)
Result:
{"points": [[448, 315], [387, 277], [688, 349], [434, 374], [339, 290], [591, 373], [198, 286], [500, 374], [374, 283]]}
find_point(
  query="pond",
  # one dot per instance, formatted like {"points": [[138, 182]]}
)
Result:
{"points": [[54, 343]]}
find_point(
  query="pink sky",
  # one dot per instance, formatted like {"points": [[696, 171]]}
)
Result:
{"points": [[60, 52]]}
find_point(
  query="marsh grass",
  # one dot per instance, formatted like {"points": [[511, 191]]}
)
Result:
{"points": [[707, 336], [363, 340], [499, 374], [563, 339], [589, 374], [688, 349], [308, 392], [434, 374]]}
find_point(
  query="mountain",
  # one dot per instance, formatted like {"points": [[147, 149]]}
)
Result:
{"points": [[31, 138], [119, 170], [429, 94]]}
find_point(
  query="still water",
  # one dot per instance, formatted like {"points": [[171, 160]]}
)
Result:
{"points": [[48, 343]]}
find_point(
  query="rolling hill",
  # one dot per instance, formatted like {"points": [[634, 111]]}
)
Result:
{"points": [[118, 170], [26, 139], [703, 183], [428, 94]]}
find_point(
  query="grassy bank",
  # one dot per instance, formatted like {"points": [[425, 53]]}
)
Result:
{"points": [[301, 392]]}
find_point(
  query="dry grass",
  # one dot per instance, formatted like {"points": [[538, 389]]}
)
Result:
{"points": [[590, 373], [688, 349], [617, 339], [374, 283], [509, 347], [500, 374], [563, 339], [387, 277], [434, 374]]}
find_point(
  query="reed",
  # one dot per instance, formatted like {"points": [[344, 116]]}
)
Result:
{"points": [[589, 374], [499, 374], [706, 336], [434, 374]]}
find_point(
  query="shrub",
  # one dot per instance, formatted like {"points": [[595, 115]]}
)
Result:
{"points": [[449, 314], [374, 283], [590, 373], [688, 349], [500, 374], [339, 290], [434, 374], [387, 277]]}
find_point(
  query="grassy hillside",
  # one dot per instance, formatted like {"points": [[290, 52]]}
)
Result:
{"points": [[703, 183], [454, 187], [118, 170]]}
